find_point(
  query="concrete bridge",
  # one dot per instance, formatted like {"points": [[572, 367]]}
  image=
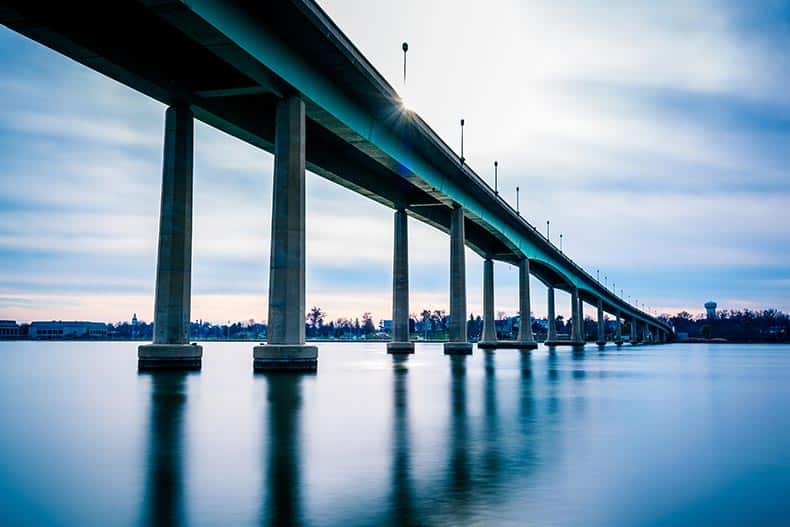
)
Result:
{"points": [[282, 76]]}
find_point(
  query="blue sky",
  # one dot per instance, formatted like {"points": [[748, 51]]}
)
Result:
{"points": [[656, 138]]}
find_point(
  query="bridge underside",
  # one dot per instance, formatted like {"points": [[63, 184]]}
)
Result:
{"points": [[232, 92]]}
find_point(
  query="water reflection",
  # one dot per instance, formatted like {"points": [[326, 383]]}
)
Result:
{"points": [[459, 473], [282, 504], [164, 488], [492, 458], [403, 497], [578, 366]]}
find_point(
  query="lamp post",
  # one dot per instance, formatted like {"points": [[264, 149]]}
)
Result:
{"points": [[405, 48], [517, 209], [462, 141], [560, 242], [496, 169], [548, 237]]}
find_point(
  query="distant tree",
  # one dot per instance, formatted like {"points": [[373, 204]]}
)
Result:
{"points": [[316, 317], [367, 324], [437, 320]]}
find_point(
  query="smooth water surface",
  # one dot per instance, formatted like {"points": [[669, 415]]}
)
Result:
{"points": [[644, 436]]}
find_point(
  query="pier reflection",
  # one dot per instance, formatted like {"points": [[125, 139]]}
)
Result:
{"points": [[282, 502], [403, 498], [492, 454], [460, 473], [164, 483]]}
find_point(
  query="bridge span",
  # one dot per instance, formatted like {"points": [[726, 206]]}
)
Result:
{"points": [[282, 76]]}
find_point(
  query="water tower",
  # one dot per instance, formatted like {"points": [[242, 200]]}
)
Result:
{"points": [[710, 308]]}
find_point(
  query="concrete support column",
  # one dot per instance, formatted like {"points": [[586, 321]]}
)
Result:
{"points": [[489, 325], [286, 347], [618, 338], [576, 313], [601, 326], [171, 348], [400, 287], [525, 336], [551, 335], [458, 343]]}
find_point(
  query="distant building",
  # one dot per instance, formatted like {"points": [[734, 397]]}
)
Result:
{"points": [[9, 329], [386, 326], [710, 309], [67, 330]]}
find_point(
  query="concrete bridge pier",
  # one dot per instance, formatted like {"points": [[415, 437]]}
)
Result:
{"points": [[489, 337], [618, 335], [400, 287], [171, 347], [526, 340], [577, 340], [633, 332], [457, 344], [601, 327], [551, 334], [286, 349]]}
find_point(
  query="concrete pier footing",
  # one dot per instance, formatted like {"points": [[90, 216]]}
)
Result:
{"points": [[400, 347], [576, 344], [288, 357], [508, 344], [458, 348], [171, 347], [169, 356]]}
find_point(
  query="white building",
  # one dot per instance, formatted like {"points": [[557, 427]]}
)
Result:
{"points": [[67, 330]]}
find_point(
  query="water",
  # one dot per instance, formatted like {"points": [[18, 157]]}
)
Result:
{"points": [[647, 436]]}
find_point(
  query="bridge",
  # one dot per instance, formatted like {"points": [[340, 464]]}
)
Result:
{"points": [[282, 76]]}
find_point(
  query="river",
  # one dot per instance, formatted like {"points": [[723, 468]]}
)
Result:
{"points": [[682, 434]]}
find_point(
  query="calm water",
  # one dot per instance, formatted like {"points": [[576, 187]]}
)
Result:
{"points": [[673, 435]]}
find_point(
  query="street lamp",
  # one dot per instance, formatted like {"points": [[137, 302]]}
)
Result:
{"points": [[547, 230], [405, 48], [517, 210], [462, 141], [496, 170], [560, 242]]}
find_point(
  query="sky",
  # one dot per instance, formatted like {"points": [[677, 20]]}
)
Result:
{"points": [[655, 136]]}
